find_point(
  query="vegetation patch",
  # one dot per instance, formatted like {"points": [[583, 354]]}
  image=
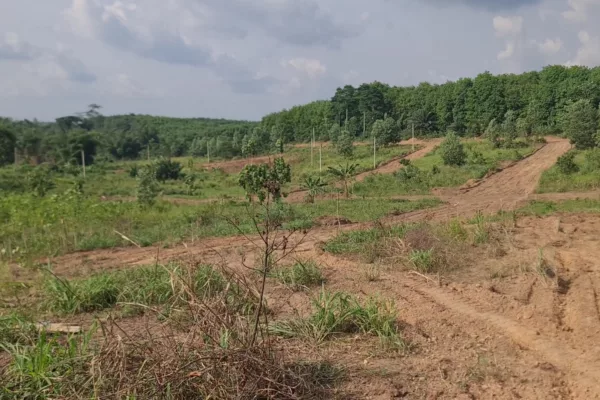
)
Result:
{"points": [[339, 313], [302, 275]]}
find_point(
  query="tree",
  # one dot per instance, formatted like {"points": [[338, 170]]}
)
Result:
{"points": [[344, 174], [509, 128], [147, 187], [345, 145], [314, 186], [452, 150], [386, 131], [7, 146], [265, 181], [492, 133], [580, 122]]}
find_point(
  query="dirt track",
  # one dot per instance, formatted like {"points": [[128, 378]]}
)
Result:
{"points": [[539, 327]]}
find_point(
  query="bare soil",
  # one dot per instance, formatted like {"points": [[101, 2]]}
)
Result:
{"points": [[519, 319]]}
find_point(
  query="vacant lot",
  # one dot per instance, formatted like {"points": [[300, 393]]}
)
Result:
{"points": [[479, 288]]}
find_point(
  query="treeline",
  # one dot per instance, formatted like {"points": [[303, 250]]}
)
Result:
{"points": [[122, 137], [536, 100], [526, 104]]}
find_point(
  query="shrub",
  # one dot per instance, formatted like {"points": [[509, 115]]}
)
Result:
{"points": [[133, 171], [592, 160], [166, 169], [452, 150], [147, 187], [40, 181], [301, 275], [566, 164], [345, 145]]}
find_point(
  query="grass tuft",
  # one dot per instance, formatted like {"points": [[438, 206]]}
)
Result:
{"points": [[300, 276]]}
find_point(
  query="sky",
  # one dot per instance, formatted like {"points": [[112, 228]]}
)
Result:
{"points": [[242, 59]]}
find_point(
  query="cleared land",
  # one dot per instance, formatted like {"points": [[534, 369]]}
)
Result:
{"points": [[494, 296]]}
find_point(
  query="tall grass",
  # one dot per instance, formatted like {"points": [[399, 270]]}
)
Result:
{"points": [[302, 275], [587, 178], [145, 286]]}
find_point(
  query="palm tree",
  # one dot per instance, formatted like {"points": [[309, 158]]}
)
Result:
{"points": [[314, 186], [344, 174]]}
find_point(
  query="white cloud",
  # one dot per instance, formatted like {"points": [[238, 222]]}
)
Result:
{"points": [[550, 46], [508, 26], [508, 52], [579, 9], [588, 53], [45, 63], [122, 85], [311, 67]]}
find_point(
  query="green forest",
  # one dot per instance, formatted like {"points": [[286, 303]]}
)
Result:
{"points": [[532, 103]]}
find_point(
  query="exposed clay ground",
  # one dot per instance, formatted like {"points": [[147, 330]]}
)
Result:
{"points": [[518, 319]]}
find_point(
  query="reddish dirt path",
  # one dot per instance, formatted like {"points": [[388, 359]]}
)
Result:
{"points": [[595, 195], [538, 330], [505, 190], [386, 168]]}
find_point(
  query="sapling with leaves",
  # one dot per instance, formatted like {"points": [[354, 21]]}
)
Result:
{"points": [[344, 174], [314, 186], [265, 182]]}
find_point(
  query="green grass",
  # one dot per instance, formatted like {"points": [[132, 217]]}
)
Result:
{"points": [[301, 275], [542, 208], [45, 368], [587, 178], [339, 313], [354, 242], [33, 227], [432, 173], [145, 286]]}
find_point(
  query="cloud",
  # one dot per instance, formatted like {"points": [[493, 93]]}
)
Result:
{"points": [[508, 26], [550, 46], [508, 52], [122, 85], [45, 62], [295, 22], [115, 26], [579, 9], [588, 53], [13, 48], [311, 67], [489, 5]]}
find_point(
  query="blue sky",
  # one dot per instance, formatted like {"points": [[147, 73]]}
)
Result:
{"points": [[245, 58]]}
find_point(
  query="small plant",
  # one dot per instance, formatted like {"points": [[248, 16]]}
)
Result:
{"points": [[566, 164], [133, 171], [338, 313], [148, 188], [40, 181], [422, 260], [405, 162], [190, 184], [344, 174], [300, 276], [265, 181], [166, 169], [452, 150], [372, 273], [435, 170], [344, 145], [314, 186], [476, 158], [409, 173]]}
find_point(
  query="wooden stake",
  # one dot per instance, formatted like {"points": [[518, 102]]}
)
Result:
{"points": [[312, 145], [83, 162], [208, 150], [148, 151], [374, 152], [320, 158], [413, 137]]}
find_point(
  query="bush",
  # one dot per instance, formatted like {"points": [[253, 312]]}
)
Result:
{"points": [[133, 171], [452, 150], [566, 164], [166, 169], [592, 160], [40, 181], [301, 275], [147, 187], [345, 145]]}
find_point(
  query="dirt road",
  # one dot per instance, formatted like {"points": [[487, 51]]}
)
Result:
{"points": [[521, 322]]}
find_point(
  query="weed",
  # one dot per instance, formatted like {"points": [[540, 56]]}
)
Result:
{"points": [[143, 286], [372, 273], [422, 260], [300, 276], [338, 313]]}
